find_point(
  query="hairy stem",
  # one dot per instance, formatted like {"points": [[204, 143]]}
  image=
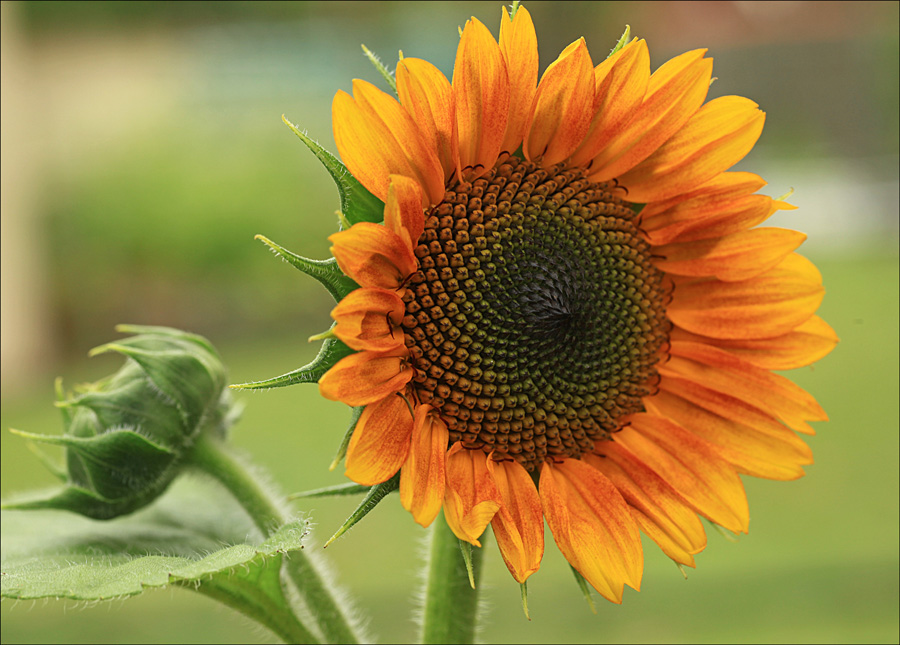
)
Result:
{"points": [[214, 458]]}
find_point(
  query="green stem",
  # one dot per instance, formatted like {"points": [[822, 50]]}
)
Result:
{"points": [[451, 604], [264, 508], [254, 603]]}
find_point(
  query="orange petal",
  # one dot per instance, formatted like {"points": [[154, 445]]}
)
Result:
{"points": [[768, 305], [657, 508], [562, 107], [387, 112], [720, 207], [719, 135], [518, 45], [481, 90], [373, 255], [620, 85], [733, 257], [692, 466], [724, 372], [751, 441], [368, 148], [471, 498], [674, 93], [809, 342], [592, 526], [422, 479], [519, 524], [403, 209], [428, 97], [366, 377], [370, 319], [380, 441]]}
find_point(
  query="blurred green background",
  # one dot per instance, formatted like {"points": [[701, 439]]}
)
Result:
{"points": [[142, 149]]}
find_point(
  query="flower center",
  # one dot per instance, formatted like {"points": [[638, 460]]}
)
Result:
{"points": [[536, 319]]}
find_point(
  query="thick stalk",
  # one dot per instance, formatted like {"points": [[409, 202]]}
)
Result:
{"points": [[215, 459], [451, 604]]}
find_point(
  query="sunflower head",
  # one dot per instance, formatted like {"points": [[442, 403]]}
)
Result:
{"points": [[564, 308]]}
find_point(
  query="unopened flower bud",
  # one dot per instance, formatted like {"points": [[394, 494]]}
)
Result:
{"points": [[127, 436]]}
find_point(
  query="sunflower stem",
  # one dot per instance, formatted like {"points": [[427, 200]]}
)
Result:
{"points": [[451, 602], [268, 514]]}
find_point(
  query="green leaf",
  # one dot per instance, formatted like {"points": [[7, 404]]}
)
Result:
{"points": [[179, 540], [326, 272], [332, 351], [357, 203]]}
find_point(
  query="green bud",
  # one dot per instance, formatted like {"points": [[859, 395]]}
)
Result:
{"points": [[127, 436]]}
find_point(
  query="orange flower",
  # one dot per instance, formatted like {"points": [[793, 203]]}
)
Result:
{"points": [[568, 314]]}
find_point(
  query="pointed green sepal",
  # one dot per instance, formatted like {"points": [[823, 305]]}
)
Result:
{"points": [[50, 464], [682, 569], [376, 494], [524, 587], [466, 550], [637, 208], [118, 463], [355, 413], [326, 272], [332, 491], [585, 589], [623, 40], [357, 203], [331, 352], [385, 73], [725, 533], [514, 7]]}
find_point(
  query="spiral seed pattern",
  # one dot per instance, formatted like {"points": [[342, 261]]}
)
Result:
{"points": [[536, 318]]}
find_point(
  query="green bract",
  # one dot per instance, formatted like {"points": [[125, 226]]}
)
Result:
{"points": [[127, 436]]}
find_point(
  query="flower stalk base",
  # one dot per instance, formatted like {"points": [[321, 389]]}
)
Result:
{"points": [[451, 603]]}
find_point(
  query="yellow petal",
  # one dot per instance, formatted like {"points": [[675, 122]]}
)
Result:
{"points": [[370, 319], [722, 206], [620, 85], [691, 465], [592, 526], [519, 524], [428, 97], [471, 498], [562, 107], [518, 44], [481, 91], [380, 441], [674, 93], [719, 135], [770, 304], [373, 255], [422, 478], [729, 258], [366, 377], [724, 372], [658, 508], [805, 344], [751, 441]]}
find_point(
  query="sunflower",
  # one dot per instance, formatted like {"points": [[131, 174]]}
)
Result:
{"points": [[568, 312]]}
